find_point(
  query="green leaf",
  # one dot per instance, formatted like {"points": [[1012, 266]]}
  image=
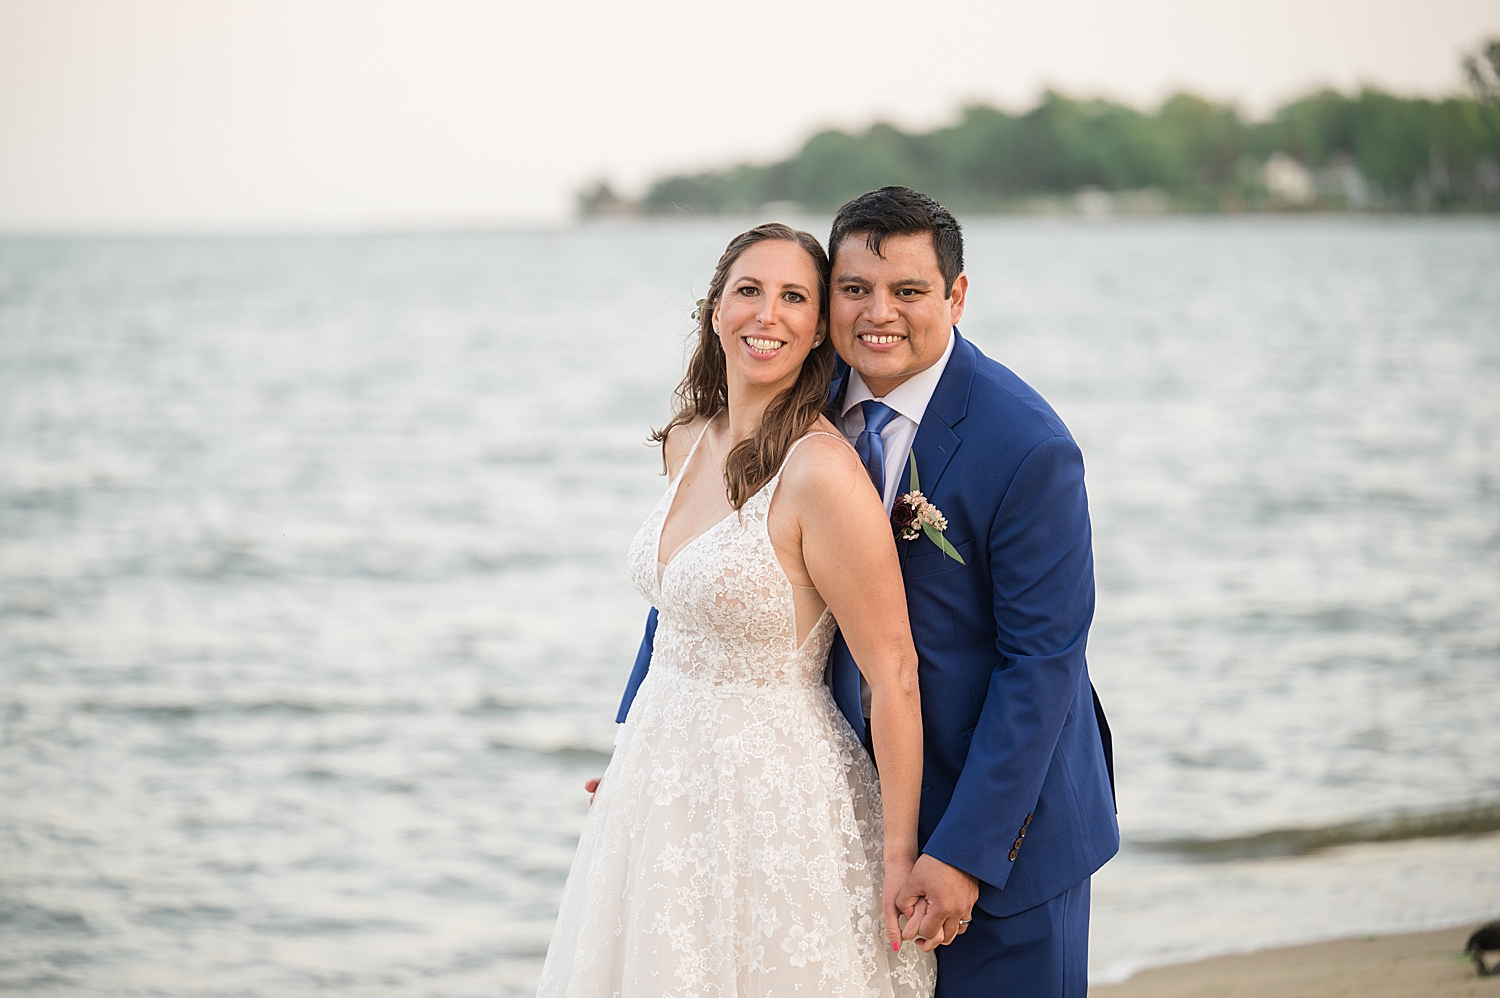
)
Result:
{"points": [[936, 536], [916, 486]]}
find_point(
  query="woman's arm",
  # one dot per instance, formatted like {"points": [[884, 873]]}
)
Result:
{"points": [[850, 555]]}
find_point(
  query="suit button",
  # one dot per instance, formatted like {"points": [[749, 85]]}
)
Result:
{"points": [[1016, 844], [1023, 831], [1027, 821], [1012, 855]]}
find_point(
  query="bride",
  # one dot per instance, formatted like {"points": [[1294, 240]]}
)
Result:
{"points": [[740, 842]]}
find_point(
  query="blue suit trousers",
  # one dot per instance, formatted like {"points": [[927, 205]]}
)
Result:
{"points": [[1041, 952]]}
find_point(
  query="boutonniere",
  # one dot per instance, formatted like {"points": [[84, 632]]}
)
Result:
{"points": [[912, 516]]}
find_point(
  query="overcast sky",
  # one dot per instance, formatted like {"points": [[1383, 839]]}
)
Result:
{"points": [[224, 115]]}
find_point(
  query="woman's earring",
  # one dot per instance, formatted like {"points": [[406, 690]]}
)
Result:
{"points": [[817, 342]]}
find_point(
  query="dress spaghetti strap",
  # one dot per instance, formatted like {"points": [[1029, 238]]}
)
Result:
{"points": [[694, 449], [796, 443]]}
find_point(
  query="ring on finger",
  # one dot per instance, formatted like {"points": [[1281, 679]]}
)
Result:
{"points": [[964, 921]]}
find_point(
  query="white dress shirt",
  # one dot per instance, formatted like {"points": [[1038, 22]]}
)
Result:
{"points": [[909, 399]]}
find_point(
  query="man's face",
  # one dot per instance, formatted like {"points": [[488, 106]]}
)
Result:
{"points": [[888, 317]]}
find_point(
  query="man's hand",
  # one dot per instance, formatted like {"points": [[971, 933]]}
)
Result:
{"points": [[592, 786], [935, 898]]}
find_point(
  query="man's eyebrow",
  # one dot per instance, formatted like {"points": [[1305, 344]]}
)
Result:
{"points": [[905, 282]]}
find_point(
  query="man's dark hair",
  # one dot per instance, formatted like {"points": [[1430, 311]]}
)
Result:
{"points": [[901, 211]]}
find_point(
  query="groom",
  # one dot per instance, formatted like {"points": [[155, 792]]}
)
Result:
{"points": [[1017, 806]]}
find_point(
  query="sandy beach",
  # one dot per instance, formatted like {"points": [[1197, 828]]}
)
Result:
{"points": [[1420, 965]]}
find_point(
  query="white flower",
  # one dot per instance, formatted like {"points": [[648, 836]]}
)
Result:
{"points": [[802, 945], [665, 785], [698, 851], [729, 751], [758, 741], [822, 874], [672, 858]]}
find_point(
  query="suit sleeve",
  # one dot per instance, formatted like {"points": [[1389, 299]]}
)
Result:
{"points": [[1042, 567], [642, 666]]}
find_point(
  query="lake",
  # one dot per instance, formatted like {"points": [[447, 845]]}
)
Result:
{"points": [[314, 610]]}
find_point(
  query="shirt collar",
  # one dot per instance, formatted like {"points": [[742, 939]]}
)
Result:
{"points": [[909, 398]]}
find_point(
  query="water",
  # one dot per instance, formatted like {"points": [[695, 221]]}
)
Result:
{"points": [[313, 608]]}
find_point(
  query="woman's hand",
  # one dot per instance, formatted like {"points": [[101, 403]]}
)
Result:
{"points": [[897, 872]]}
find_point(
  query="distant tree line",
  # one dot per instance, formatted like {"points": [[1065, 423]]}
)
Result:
{"points": [[1327, 150]]}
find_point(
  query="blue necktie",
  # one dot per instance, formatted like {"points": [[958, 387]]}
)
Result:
{"points": [[869, 446]]}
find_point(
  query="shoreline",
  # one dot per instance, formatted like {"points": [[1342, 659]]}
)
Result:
{"points": [[1430, 964]]}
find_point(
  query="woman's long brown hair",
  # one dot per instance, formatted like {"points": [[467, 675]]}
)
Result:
{"points": [[704, 390]]}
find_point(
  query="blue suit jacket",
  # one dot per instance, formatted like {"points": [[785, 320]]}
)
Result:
{"points": [[1017, 782]]}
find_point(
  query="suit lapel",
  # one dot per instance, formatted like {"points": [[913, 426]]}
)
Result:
{"points": [[936, 443], [837, 388]]}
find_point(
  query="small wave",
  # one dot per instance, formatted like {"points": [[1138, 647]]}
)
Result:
{"points": [[332, 926], [1473, 820], [22, 917], [564, 753], [173, 917], [485, 563], [187, 711], [494, 705]]}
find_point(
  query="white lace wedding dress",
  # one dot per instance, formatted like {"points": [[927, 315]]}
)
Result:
{"points": [[734, 846]]}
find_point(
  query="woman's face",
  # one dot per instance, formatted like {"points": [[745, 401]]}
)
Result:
{"points": [[767, 317]]}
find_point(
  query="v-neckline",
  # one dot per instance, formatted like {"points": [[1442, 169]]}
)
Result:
{"points": [[675, 488], [671, 500], [686, 544]]}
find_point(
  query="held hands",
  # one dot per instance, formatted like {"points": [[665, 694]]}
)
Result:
{"points": [[592, 786], [897, 871], [935, 899]]}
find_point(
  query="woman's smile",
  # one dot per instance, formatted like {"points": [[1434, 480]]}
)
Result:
{"points": [[763, 346]]}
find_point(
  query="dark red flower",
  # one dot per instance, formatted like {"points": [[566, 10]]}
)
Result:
{"points": [[903, 515]]}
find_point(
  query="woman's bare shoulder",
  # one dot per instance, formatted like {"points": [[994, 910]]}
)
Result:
{"points": [[825, 468], [680, 442]]}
